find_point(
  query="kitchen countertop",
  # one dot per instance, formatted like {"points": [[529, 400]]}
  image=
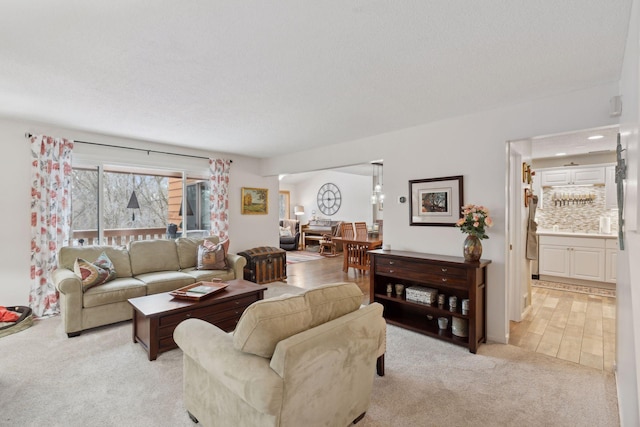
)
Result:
{"points": [[568, 233]]}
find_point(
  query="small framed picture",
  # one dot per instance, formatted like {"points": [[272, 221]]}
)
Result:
{"points": [[255, 201], [436, 201]]}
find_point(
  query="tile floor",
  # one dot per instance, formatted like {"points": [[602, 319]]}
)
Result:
{"points": [[577, 327]]}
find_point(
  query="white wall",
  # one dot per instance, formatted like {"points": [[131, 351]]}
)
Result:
{"points": [[245, 231], [14, 215], [518, 296], [472, 146], [354, 189], [628, 274]]}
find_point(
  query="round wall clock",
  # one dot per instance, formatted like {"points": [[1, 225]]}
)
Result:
{"points": [[329, 199]]}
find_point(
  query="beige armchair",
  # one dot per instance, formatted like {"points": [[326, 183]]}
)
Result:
{"points": [[296, 360]]}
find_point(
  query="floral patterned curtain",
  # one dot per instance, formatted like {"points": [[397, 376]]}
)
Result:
{"points": [[219, 197], [50, 217]]}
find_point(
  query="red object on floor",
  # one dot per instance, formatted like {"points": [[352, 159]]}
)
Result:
{"points": [[8, 316]]}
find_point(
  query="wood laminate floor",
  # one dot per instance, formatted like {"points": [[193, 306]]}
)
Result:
{"points": [[567, 325], [576, 327], [327, 270]]}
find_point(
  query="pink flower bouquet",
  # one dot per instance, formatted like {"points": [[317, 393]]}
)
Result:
{"points": [[474, 220]]}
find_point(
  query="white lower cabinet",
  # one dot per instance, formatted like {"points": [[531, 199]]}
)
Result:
{"points": [[587, 263], [554, 260], [574, 257]]}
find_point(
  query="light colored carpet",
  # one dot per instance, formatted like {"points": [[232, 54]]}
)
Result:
{"points": [[102, 378]]}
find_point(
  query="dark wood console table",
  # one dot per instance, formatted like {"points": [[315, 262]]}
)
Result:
{"points": [[449, 275]]}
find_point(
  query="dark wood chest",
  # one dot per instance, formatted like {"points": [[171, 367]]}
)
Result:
{"points": [[265, 264]]}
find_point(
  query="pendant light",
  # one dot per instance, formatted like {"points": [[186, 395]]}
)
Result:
{"points": [[377, 195], [380, 182], [374, 195]]}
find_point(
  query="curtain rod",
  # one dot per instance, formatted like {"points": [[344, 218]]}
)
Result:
{"points": [[28, 135]]}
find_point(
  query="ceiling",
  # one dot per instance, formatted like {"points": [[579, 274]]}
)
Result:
{"points": [[265, 78], [363, 169], [575, 143]]}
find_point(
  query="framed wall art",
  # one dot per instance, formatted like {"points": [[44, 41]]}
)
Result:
{"points": [[255, 201], [436, 201]]}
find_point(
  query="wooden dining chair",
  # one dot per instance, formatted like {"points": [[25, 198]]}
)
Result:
{"points": [[347, 230], [361, 230]]}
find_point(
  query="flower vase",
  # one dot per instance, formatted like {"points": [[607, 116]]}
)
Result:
{"points": [[472, 248]]}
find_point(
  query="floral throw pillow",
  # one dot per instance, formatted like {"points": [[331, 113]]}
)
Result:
{"points": [[213, 256], [94, 273]]}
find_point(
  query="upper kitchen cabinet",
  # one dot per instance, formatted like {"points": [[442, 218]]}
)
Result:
{"points": [[573, 176]]}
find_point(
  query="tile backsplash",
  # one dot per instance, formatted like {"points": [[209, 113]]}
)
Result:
{"points": [[580, 215]]}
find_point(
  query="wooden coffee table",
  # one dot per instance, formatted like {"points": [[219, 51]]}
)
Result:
{"points": [[156, 316]]}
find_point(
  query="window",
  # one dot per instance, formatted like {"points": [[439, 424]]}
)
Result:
{"points": [[84, 206], [156, 212], [150, 192], [198, 213], [197, 206]]}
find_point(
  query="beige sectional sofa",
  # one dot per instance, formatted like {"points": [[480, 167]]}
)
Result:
{"points": [[294, 360], [145, 267]]}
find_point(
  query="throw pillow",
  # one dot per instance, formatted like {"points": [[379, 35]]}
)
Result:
{"points": [[212, 256], [285, 232], [96, 273], [225, 245], [210, 245]]}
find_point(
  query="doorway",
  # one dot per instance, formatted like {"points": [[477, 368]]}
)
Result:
{"points": [[563, 320]]}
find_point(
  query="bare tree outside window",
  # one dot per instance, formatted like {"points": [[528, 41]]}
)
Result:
{"points": [[152, 194], [84, 199], [118, 221]]}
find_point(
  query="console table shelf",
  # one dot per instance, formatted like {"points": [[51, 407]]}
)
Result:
{"points": [[434, 310], [449, 275]]}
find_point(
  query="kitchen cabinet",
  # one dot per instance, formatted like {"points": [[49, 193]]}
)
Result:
{"points": [[554, 260], [573, 176], [574, 257], [611, 253], [586, 263], [610, 190], [536, 187]]}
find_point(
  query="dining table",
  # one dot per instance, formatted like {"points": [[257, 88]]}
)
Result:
{"points": [[355, 250]]}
